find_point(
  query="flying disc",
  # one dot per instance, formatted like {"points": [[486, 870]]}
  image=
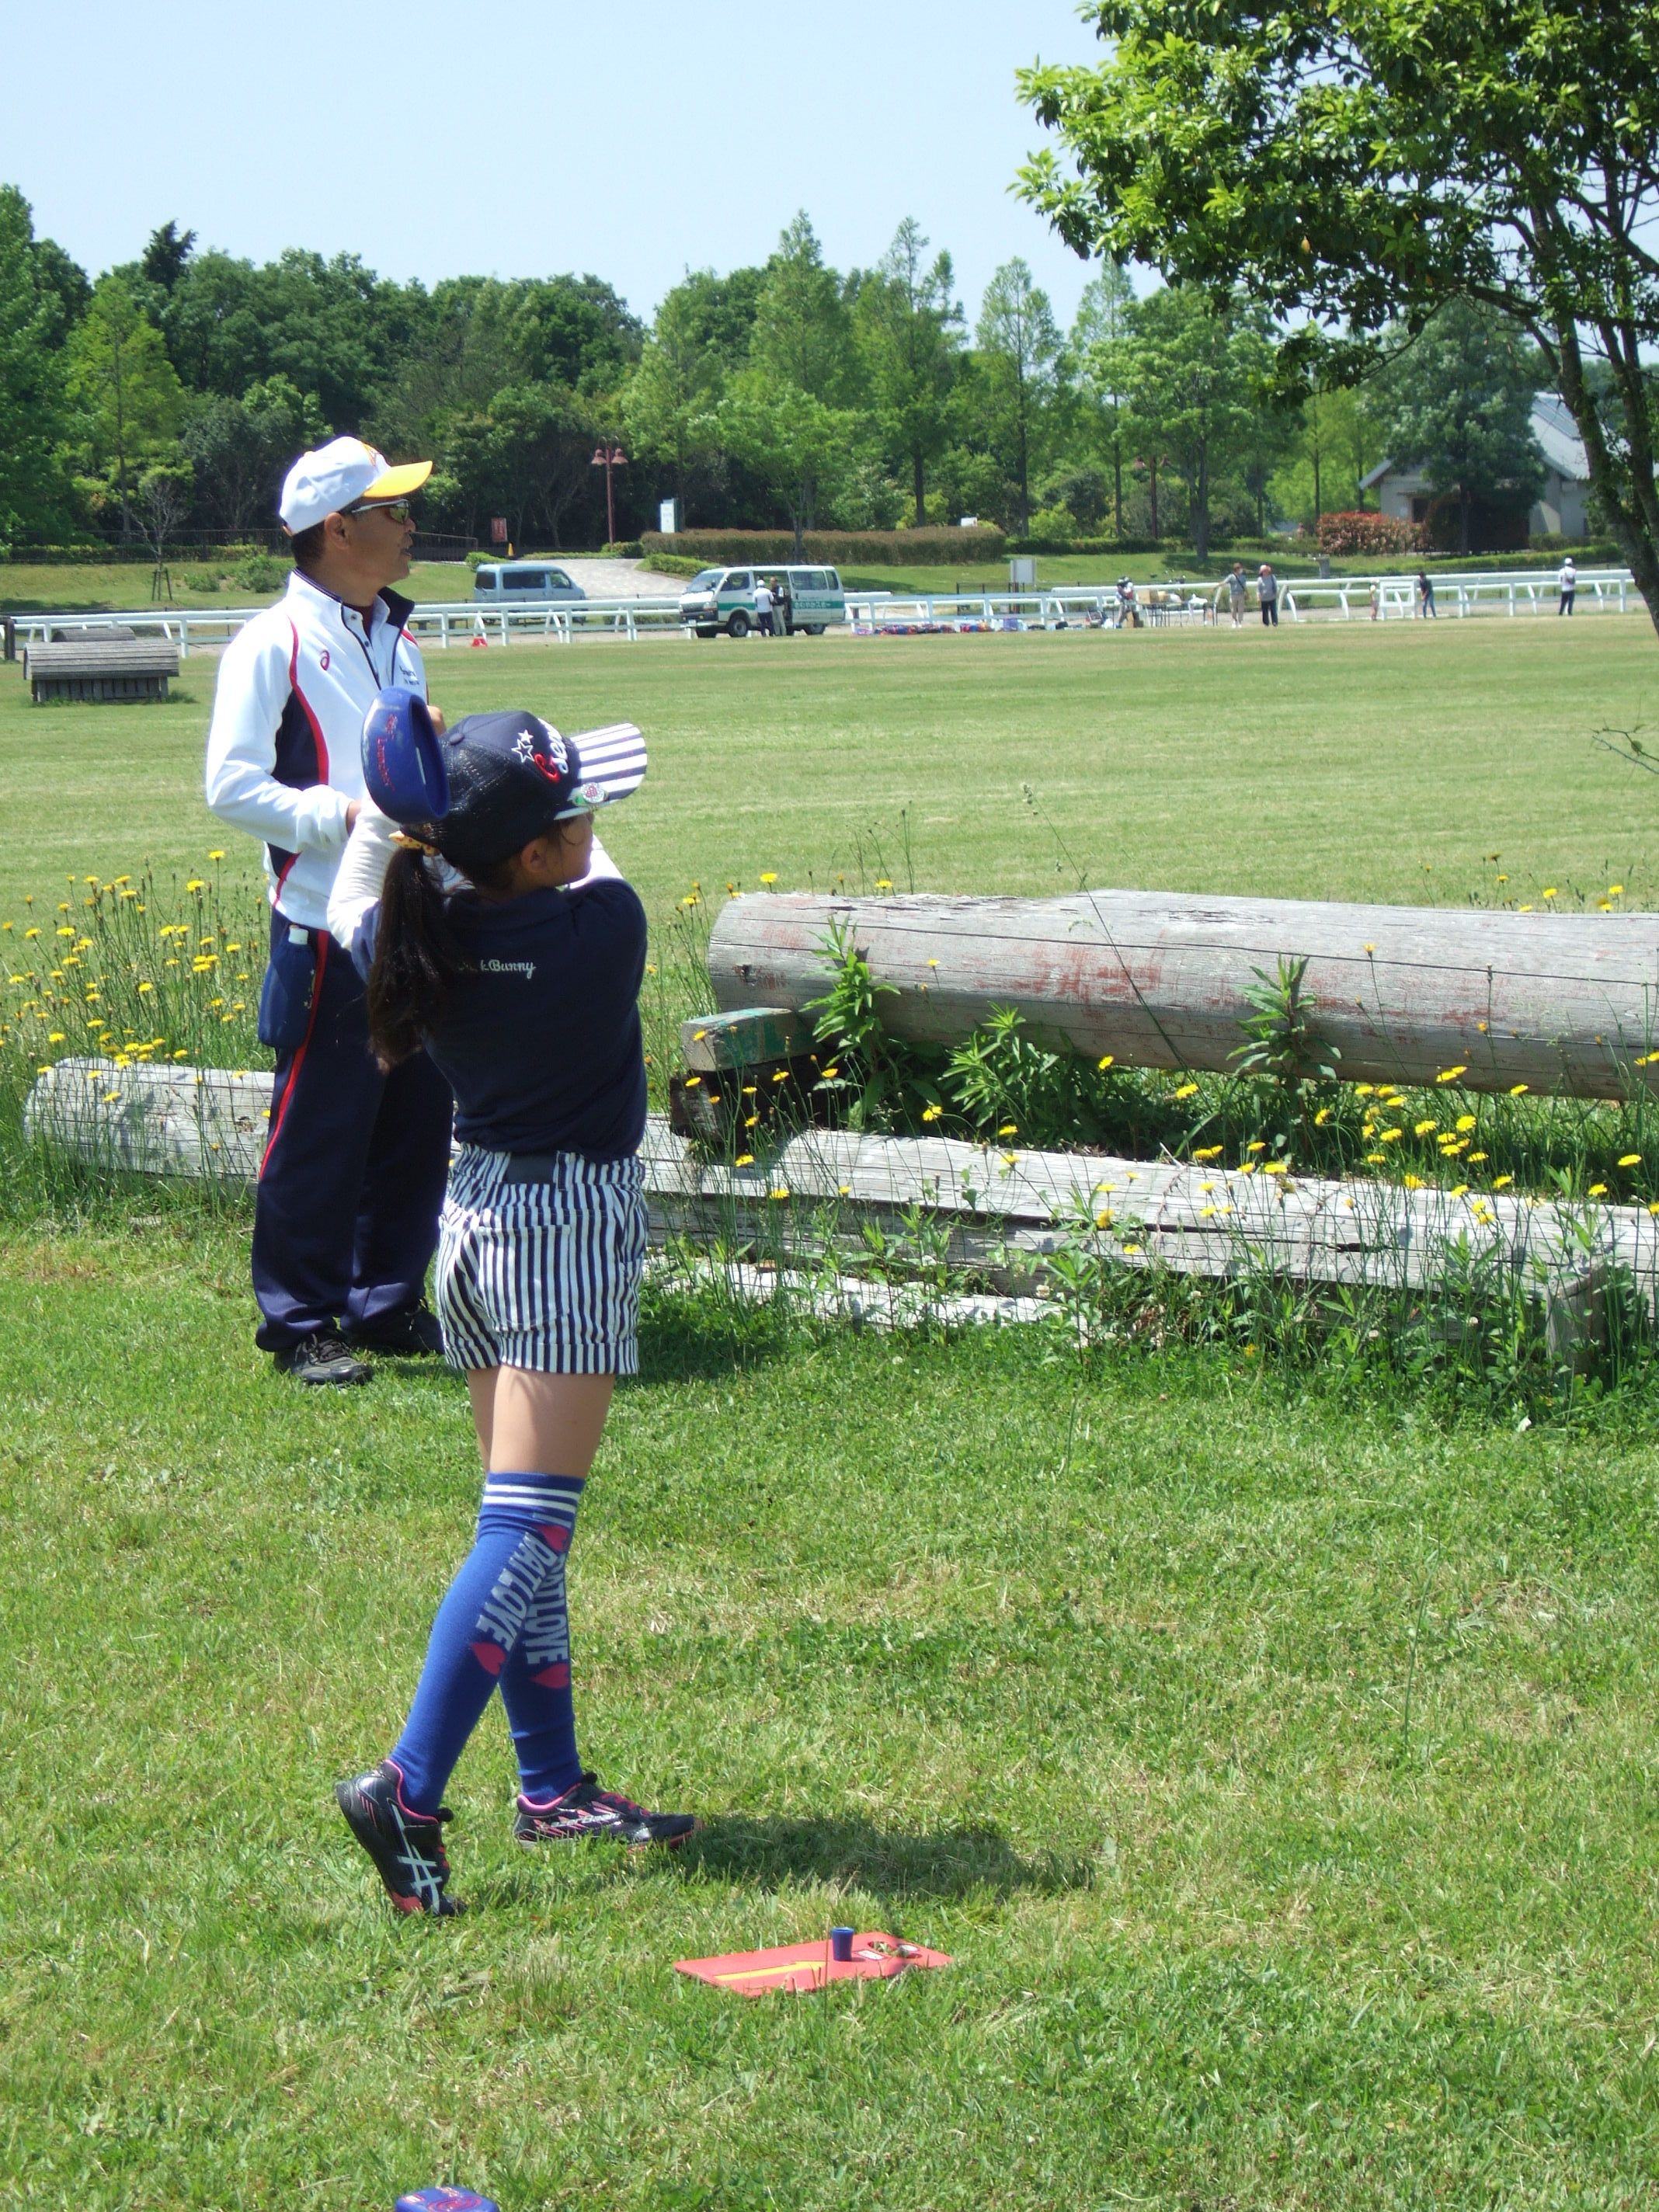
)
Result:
{"points": [[404, 769]]}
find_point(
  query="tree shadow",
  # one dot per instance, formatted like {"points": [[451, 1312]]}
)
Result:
{"points": [[761, 1853], [691, 1336]]}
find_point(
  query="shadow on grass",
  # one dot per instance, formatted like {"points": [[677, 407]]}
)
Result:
{"points": [[888, 1863], [696, 1335]]}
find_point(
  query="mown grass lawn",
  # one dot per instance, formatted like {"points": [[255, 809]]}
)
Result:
{"points": [[1324, 761], [1278, 1766], [1280, 1773]]}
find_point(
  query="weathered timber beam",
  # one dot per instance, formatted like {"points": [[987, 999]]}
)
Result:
{"points": [[1562, 1003], [1006, 1213]]}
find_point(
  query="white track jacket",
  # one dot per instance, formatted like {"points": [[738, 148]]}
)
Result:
{"points": [[284, 748]]}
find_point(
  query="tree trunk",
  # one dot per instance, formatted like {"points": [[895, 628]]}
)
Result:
{"points": [[1202, 503], [1465, 518], [1319, 503], [1634, 521], [1560, 1002], [1151, 472], [918, 486], [1117, 488]]}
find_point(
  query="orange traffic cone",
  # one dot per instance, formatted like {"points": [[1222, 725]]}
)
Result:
{"points": [[481, 643]]}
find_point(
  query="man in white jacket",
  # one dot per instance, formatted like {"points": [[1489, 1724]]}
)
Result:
{"points": [[346, 1216]]}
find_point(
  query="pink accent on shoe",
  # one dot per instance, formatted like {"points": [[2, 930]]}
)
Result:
{"points": [[490, 1657]]}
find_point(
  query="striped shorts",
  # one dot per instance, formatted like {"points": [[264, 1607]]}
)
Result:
{"points": [[543, 1274]]}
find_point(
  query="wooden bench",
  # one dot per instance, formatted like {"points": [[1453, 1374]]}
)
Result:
{"points": [[100, 665]]}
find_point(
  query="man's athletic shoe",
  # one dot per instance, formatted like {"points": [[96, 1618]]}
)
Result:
{"points": [[585, 1809], [412, 1334], [407, 1848], [325, 1359]]}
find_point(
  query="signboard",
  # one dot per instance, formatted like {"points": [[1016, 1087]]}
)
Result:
{"points": [[668, 517], [498, 529]]}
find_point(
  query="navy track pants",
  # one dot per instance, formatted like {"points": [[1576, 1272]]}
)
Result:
{"points": [[345, 1220]]}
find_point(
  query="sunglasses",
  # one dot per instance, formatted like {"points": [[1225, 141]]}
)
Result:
{"points": [[398, 509]]}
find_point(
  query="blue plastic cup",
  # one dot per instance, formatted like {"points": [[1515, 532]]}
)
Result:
{"points": [[841, 1943]]}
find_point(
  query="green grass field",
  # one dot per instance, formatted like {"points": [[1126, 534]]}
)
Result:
{"points": [[1277, 1760], [1327, 761]]}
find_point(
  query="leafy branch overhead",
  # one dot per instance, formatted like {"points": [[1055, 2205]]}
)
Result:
{"points": [[1356, 165]]}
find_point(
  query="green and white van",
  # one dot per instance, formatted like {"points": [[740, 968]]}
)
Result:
{"points": [[803, 600]]}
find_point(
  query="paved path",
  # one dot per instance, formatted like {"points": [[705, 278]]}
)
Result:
{"points": [[620, 580]]}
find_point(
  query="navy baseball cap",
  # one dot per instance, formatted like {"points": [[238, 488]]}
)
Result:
{"points": [[511, 776]]}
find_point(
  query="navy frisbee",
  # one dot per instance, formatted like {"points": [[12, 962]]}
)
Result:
{"points": [[403, 768]]}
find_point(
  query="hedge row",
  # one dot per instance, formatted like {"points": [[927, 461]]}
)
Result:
{"points": [[1362, 531], [865, 548]]}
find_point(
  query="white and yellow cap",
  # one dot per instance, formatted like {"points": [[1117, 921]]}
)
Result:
{"points": [[342, 474]]}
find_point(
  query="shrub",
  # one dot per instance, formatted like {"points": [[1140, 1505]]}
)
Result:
{"points": [[1362, 531], [202, 580], [624, 549], [259, 572], [865, 548], [674, 564]]}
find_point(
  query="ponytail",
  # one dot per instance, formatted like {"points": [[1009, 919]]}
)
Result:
{"points": [[416, 960]]}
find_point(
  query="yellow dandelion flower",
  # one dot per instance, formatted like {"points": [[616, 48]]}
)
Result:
{"points": [[782, 1076], [215, 856], [1375, 1159], [1105, 1059], [1321, 1117], [1009, 1129], [834, 1068], [769, 876], [1413, 1182], [1549, 890], [1465, 1122], [1458, 1190], [1275, 1167], [1424, 1127], [931, 1112], [752, 1121], [1598, 1190], [882, 884], [1476, 1158], [56, 1037], [1391, 1136], [782, 1191], [692, 1081], [1207, 1152], [1188, 1090], [743, 1160], [1630, 1160], [1103, 1219], [1451, 1074], [1502, 1183], [1131, 1251], [1256, 1145]]}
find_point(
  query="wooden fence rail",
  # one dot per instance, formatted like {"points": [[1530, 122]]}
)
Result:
{"points": [[1562, 1003], [1005, 1213]]}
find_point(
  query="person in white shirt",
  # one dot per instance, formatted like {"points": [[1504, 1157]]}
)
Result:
{"points": [[346, 1213], [1567, 584], [762, 606]]}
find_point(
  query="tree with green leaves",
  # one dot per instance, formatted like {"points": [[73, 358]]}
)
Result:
{"points": [[699, 340], [1019, 344], [911, 334], [36, 498], [1192, 369], [1356, 165], [1333, 445], [803, 332], [239, 450], [1098, 349], [798, 447], [130, 402], [1457, 402]]}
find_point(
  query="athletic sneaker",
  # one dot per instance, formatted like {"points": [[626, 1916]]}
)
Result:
{"points": [[407, 1848], [324, 1358], [585, 1809], [412, 1334]]}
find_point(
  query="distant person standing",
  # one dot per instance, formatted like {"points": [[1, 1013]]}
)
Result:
{"points": [[1425, 606], [1267, 595], [762, 606], [1567, 582], [1376, 598], [1238, 586]]}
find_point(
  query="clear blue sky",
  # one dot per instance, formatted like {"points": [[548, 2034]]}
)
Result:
{"points": [[632, 140]]}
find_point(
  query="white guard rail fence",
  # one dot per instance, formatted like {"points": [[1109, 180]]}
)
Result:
{"points": [[1070, 606]]}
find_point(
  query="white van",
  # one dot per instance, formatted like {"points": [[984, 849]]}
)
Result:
{"points": [[803, 599], [524, 584]]}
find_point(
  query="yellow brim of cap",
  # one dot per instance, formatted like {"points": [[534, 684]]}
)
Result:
{"points": [[398, 482]]}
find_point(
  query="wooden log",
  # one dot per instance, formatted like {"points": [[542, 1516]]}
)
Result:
{"points": [[1562, 1003], [1004, 1213]]}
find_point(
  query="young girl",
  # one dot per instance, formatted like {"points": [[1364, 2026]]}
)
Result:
{"points": [[518, 967]]}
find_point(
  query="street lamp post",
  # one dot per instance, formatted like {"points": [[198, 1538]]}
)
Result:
{"points": [[608, 457]]}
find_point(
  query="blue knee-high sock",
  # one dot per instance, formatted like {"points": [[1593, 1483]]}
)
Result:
{"points": [[502, 1618]]}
